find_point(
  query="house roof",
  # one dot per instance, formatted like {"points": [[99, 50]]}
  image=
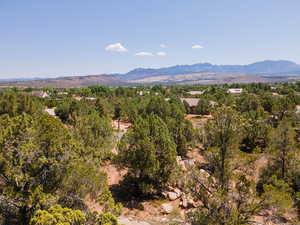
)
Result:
{"points": [[196, 92], [235, 90], [91, 99], [40, 94], [192, 102]]}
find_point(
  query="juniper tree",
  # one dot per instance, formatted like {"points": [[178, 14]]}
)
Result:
{"points": [[149, 152], [42, 163]]}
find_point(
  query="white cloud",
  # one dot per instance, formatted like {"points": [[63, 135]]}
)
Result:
{"points": [[197, 46], [118, 47], [161, 53], [144, 54], [163, 46]]}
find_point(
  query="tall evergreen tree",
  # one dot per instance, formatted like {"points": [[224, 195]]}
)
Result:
{"points": [[223, 133], [149, 152], [283, 148]]}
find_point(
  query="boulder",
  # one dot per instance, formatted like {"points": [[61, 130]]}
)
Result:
{"points": [[184, 202], [204, 173], [173, 196], [187, 202], [165, 194], [178, 192], [189, 163], [167, 208], [181, 163], [190, 202]]}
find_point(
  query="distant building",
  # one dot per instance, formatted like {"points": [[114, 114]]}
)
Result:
{"points": [[235, 91], [91, 99], [141, 93], [192, 102], [62, 93], [77, 97], [196, 92], [40, 94]]}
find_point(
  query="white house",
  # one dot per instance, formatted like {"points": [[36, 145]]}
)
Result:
{"points": [[40, 94], [192, 102], [62, 93], [141, 93], [91, 99], [235, 90], [76, 97], [196, 92]]}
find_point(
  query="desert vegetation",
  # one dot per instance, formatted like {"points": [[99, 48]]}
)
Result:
{"points": [[161, 155]]}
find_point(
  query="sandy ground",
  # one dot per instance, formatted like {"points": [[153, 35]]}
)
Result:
{"points": [[123, 125], [114, 175], [198, 120], [196, 155]]}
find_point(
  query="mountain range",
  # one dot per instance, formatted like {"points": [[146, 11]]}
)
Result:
{"points": [[201, 73], [268, 67]]}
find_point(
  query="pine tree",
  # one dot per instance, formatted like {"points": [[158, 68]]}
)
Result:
{"points": [[223, 134], [283, 148]]}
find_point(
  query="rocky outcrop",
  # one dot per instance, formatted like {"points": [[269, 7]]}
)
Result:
{"points": [[172, 193], [185, 164]]}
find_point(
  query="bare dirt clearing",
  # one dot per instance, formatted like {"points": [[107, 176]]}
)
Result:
{"points": [[198, 121]]}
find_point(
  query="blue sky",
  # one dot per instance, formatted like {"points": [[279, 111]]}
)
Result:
{"points": [[76, 37]]}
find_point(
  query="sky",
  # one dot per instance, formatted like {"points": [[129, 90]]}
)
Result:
{"points": [[75, 37]]}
